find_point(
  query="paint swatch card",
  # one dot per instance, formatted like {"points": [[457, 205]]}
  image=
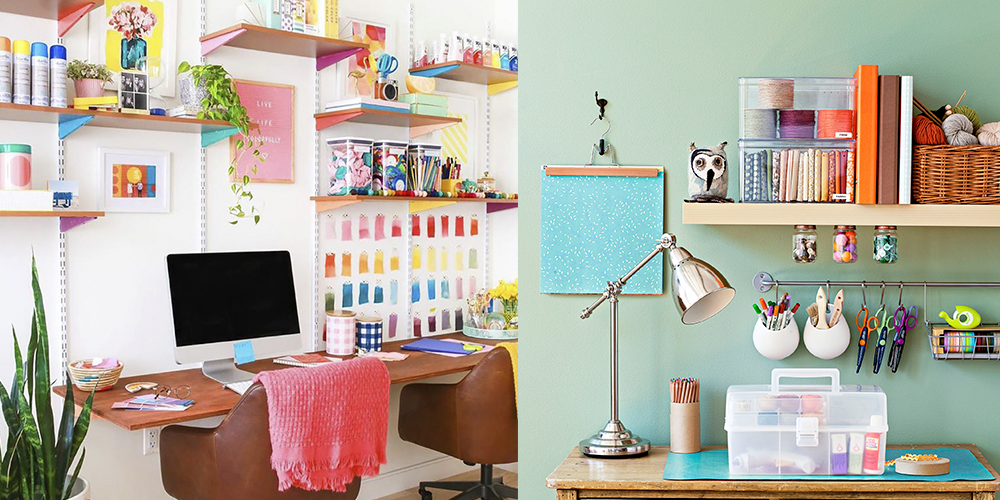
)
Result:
{"points": [[345, 264], [415, 225], [397, 227], [363, 293], [345, 229], [363, 263], [379, 227], [329, 266], [444, 226], [363, 232], [459, 226], [378, 294], [379, 262], [347, 298]]}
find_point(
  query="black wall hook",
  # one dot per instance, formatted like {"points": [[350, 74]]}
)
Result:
{"points": [[600, 103]]}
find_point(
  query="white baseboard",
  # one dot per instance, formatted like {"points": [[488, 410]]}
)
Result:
{"points": [[408, 477]]}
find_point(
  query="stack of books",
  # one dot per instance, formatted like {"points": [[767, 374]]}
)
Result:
{"points": [[106, 103], [426, 104], [368, 103], [149, 402], [884, 114]]}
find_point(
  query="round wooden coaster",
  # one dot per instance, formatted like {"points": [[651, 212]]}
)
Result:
{"points": [[923, 468]]}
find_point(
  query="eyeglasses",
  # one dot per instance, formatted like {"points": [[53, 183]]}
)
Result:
{"points": [[179, 392]]}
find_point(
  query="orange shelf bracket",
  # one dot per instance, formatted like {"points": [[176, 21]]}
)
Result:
{"points": [[68, 19], [329, 121]]}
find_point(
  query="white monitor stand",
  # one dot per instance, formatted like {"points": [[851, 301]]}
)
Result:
{"points": [[224, 371]]}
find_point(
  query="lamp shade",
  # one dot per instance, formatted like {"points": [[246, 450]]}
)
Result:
{"points": [[699, 290]]}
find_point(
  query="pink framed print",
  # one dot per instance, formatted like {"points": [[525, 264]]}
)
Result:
{"points": [[271, 107]]}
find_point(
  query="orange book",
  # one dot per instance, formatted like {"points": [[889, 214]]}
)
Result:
{"points": [[866, 132]]}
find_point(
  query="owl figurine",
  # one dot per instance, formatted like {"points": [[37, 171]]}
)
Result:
{"points": [[708, 177]]}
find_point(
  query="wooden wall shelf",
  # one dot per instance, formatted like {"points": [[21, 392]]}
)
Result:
{"points": [[68, 12], [325, 50], [418, 203], [497, 79], [828, 214], [70, 120], [68, 219], [419, 124]]}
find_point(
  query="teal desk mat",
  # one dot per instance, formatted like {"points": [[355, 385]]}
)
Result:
{"points": [[714, 464]]}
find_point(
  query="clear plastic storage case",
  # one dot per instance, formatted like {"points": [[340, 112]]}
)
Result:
{"points": [[794, 114], [806, 429]]}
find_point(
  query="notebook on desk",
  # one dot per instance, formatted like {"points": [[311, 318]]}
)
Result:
{"points": [[441, 347]]}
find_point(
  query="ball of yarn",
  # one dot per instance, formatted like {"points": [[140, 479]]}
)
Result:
{"points": [[970, 114], [989, 134], [958, 130], [926, 132]]}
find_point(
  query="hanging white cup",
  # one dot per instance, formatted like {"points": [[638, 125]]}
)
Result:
{"points": [[829, 343], [776, 344]]}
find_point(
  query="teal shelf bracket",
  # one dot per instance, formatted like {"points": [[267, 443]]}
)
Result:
{"points": [[69, 123], [431, 73], [210, 137]]}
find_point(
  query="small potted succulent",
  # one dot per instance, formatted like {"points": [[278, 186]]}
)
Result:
{"points": [[88, 78]]}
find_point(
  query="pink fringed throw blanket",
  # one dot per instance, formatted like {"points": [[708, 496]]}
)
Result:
{"points": [[327, 424]]}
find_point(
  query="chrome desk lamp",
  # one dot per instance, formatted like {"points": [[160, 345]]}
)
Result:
{"points": [[699, 291]]}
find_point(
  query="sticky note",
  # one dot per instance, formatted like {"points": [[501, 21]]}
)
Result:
{"points": [[243, 352]]}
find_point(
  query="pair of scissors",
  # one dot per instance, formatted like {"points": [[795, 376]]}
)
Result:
{"points": [[882, 337], [386, 65], [864, 327], [905, 320]]}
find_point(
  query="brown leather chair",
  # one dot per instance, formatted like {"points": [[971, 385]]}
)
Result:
{"points": [[474, 420], [230, 461]]}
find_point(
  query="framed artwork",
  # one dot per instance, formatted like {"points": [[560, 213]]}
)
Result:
{"points": [[462, 139], [134, 181], [271, 107], [139, 34], [361, 69], [133, 92]]}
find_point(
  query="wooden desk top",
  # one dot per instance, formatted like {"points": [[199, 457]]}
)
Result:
{"points": [[579, 472], [212, 400]]}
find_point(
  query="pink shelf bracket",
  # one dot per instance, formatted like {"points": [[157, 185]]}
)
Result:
{"points": [[323, 62], [208, 46], [419, 130], [68, 19], [499, 207], [67, 223], [329, 121]]}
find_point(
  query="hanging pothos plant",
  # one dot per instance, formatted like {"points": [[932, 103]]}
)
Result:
{"points": [[219, 101]]}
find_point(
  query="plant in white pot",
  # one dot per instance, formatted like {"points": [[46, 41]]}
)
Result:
{"points": [[88, 78], [38, 459]]}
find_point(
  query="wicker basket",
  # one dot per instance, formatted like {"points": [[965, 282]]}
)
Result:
{"points": [[947, 175], [95, 379]]}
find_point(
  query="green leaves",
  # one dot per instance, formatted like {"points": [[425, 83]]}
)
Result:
{"points": [[36, 462]]}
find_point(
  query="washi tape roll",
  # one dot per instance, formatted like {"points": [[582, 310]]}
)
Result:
{"points": [[776, 93], [369, 333], [340, 332]]}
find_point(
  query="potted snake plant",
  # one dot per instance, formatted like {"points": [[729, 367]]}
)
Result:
{"points": [[38, 459]]}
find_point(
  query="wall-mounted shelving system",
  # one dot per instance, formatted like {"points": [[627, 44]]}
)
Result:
{"points": [[67, 12], [326, 51], [496, 80], [828, 214], [418, 124]]}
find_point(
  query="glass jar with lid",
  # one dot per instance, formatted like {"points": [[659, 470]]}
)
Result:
{"points": [[884, 245], [845, 244], [804, 243]]}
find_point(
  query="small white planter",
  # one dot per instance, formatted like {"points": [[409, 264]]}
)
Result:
{"points": [[81, 490]]}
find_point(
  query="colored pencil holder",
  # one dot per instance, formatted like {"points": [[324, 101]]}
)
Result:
{"points": [[685, 427], [450, 185]]}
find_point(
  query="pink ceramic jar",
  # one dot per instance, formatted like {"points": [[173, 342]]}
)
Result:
{"points": [[15, 166]]}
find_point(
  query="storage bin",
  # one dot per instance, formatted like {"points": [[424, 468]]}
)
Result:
{"points": [[424, 161], [806, 429], [948, 175], [760, 94], [351, 165], [389, 166], [804, 170]]}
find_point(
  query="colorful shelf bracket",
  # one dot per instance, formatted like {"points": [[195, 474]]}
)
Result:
{"points": [[70, 123], [499, 207], [67, 223], [419, 130], [213, 136], [207, 46], [323, 62], [496, 88], [329, 121], [420, 206], [69, 19], [327, 205], [432, 72]]}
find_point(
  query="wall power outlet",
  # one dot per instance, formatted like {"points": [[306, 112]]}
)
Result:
{"points": [[151, 441]]}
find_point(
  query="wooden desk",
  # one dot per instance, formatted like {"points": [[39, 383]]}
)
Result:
{"points": [[212, 400], [582, 477]]}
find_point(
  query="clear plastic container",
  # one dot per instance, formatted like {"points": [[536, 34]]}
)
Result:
{"points": [[389, 165], [788, 170], [804, 244], [806, 429], [350, 165], [885, 245], [845, 244], [808, 94], [424, 162]]}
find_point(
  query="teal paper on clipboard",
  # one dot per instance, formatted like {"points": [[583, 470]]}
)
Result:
{"points": [[597, 224]]}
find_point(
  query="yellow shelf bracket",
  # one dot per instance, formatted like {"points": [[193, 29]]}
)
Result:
{"points": [[420, 206], [496, 88]]}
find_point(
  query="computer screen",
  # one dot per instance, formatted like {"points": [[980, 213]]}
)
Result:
{"points": [[226, 297]]}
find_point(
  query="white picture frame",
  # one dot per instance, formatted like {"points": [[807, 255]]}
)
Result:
{"points": [[113, 162]]}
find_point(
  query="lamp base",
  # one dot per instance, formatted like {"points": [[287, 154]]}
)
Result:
{"points": [[614, 441]]}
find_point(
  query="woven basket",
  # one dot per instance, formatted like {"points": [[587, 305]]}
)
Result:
{"points": [[948, 175], [95, 379]]}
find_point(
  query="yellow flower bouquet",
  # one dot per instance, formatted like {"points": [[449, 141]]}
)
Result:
{"points": [[506, 293]]}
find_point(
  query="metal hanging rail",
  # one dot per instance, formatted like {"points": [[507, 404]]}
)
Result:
{"points": [[763, 282]]}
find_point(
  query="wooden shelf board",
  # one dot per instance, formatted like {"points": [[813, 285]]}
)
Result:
{"points": [[325, 203], [382, 117], [52, 213], [466, 72], [46, 9], [109, 119], [282, 42], [828, 214]]}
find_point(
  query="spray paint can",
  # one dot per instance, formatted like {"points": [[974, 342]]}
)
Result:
{"points": [[477, 54], [455, 52], [22, 72], [57, 76], [504, 56], [495, 61], [513, 58], [442, 54], [39, 74], [487, 52], [5, 77], [469, 49]]}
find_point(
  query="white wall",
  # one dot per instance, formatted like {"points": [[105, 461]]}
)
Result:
{"points": [[116, 283]]}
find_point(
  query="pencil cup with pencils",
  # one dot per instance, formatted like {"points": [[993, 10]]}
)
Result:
{"points": [[685, 416]]}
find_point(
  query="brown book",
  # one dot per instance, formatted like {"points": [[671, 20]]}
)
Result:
{"points": [[888, 139]]}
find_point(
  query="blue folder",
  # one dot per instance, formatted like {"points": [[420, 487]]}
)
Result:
{"points": [[435, 345]]}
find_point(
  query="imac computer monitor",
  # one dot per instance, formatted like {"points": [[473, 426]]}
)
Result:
{"points": [[220, 299]]}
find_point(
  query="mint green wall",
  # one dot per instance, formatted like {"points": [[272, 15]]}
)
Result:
{"points": [[669, 69]]}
